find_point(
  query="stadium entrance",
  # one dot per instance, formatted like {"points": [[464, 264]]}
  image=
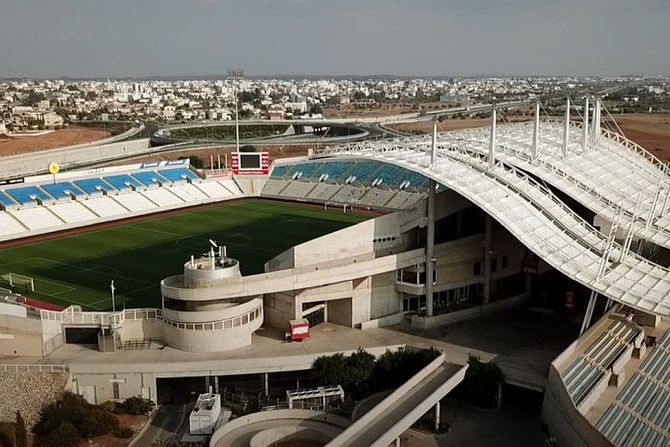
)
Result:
{"points": [[82, 335]]}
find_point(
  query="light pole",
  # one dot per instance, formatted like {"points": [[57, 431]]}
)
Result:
{"points": [[236, 75], [112, 288]]}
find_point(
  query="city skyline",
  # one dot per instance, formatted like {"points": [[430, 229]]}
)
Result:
{"points": [[123, 39]]}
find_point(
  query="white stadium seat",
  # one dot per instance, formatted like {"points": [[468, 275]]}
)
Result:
{"points": [[36, 218], [72, 212]]}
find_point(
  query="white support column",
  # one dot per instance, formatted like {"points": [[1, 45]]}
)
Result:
{"points": [[430, 248], [585, 140], [536, 131], [492, 145], [586, 322], [437, 416], [433, 147], [566, 127], [654, 205], [596, 121], [487, 260]]}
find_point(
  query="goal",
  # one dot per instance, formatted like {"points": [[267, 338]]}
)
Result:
{"points": [[19, 281]]}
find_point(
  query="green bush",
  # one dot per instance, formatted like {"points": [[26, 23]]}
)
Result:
{"points": [[97, 423], [65, 435], [480, 386], [73, 418], [137, 405], [108, 406], [124, 433]]}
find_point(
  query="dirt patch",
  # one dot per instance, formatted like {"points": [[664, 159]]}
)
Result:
{"points": [[12, 145], [651, 131], [135, 423]]}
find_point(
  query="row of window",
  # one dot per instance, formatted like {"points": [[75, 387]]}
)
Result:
{"points": [[477, 266], [443, 299]]}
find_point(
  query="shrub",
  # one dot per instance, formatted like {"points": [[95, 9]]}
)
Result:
{"points": [[97, 423], [108, 406], [72, 412], [480, 386], [65, 435], [124, 432], [137, 405]]}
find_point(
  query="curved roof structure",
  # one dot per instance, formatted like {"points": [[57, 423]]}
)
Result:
{"points": [[535, 216], [613, 176]]}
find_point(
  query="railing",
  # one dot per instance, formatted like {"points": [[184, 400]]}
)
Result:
{"points": [[9, 367], [74, 315]]}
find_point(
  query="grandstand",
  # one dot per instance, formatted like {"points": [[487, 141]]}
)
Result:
{"points": [[42, 205], [365, 184]]}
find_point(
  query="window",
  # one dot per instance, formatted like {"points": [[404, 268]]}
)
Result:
{"points": [[477, 269], [494, 265], [503, 263]]}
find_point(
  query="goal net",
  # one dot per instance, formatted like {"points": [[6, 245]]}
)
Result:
{"points": [[16, 280]]}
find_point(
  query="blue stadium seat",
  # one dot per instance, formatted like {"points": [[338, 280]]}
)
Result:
{"points": [[28, 194], [62, 190], [281, 171], [416, 180], [336, 170], [390, 175], [93, 185], [149, 178], [364, 171], [6, 200], [308, 170], [178, 174], [122, 182]]}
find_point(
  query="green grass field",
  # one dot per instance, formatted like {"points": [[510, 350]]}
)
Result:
{"points": [[78, 269]]}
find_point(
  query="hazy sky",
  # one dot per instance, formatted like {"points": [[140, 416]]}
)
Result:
{"points": [[404, 37]]}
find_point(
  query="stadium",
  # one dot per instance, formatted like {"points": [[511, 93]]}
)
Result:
{"points": [[175, 279]]}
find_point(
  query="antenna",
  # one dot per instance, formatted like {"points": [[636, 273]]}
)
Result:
{"points": [[213, 243]]}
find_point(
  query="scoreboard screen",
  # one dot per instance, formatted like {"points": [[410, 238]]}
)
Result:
{"points": [[250, 163], [250, 160]]}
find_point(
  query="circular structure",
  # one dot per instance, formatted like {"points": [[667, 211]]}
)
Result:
{"points": [[301, 428], [198, 318], [54, 168]]}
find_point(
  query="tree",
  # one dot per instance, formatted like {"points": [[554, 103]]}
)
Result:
{"points": [[248, 148], [21, 435], [33, 98], [480, 386], [316, 109], [360, 368], [330, 370], [137, 405]]}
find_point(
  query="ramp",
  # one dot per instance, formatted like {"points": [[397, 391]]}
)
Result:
{"points": [[402, 408]]}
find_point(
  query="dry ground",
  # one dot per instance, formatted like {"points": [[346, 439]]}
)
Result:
{"points": [[651, 131], [11, 145]]}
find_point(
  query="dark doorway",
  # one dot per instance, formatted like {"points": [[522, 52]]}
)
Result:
{"points": [[179, 390], [316, 317], [82, 335]]}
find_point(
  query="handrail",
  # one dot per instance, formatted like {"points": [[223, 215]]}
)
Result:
{"points": [[20, 367]]}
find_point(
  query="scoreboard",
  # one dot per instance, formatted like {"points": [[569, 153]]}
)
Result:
{"points": [[250, 163]]}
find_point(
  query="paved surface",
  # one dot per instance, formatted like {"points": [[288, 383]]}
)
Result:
{"points": [[269, 352], [473, 427], [163, 425]]}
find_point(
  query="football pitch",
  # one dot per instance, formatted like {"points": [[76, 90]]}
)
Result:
{"points": [[78, 269]]}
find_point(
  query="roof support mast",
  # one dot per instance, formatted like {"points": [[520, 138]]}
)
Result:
{"points": [[585, 140], [566, 127], [492, 145], [536, 131]]}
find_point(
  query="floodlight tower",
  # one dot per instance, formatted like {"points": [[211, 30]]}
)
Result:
{"points": [[236, 75]]}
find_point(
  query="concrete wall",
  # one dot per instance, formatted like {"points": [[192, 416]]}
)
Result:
{"points": [[467, 314], [69, 158]]}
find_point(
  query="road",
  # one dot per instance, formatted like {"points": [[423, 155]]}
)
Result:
{"points": [[166, 422]]}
